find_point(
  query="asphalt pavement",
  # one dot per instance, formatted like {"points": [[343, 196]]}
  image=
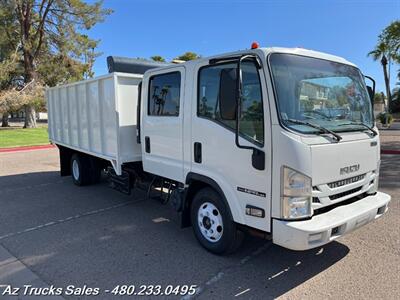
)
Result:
{"points": [[53, 233]]}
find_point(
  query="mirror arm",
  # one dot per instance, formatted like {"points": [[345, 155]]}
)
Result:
{"points": [[258, 157], [239, 101], [372, 97], [373, 82]]}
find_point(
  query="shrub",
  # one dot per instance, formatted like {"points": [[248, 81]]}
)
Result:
{"points": [[395, 106], [385, 118]]}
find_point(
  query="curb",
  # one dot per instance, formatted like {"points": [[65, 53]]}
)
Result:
{"points": [[390, 151], [27, 148]]}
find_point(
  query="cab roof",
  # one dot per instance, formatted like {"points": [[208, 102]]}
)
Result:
{"points": [[296, 51], [307, 52], [265, 52]]}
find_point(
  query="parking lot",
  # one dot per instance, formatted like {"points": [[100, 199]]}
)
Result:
{"points": [[55, 233]]}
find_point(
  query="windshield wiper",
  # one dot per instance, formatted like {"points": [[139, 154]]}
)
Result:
{"points": [[320, 128], [374, 133]]}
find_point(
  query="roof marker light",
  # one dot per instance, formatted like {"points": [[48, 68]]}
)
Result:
{"points": [[254, 45]]}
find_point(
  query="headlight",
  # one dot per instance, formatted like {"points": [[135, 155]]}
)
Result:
{"points": [[295, 194]]}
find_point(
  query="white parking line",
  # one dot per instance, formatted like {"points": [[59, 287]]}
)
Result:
{"points": [[242, 292], [279, 273], [217, 277], [27, 187], [89, 213]]}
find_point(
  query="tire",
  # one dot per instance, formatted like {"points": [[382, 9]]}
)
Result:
{"points": [[96, 170], [212, 223], [80, 170]]}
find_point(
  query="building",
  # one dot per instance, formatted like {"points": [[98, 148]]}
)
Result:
{"points": [[313, 95]]}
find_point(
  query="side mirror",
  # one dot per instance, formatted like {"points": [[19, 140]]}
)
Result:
{"points": [[258, 157], [227, 94], [371, 93], [371, 90]]}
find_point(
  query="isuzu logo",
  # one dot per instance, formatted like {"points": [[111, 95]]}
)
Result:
{"points": [[349, 169]]}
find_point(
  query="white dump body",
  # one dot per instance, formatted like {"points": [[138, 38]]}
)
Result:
{"points": [[97, 116]]}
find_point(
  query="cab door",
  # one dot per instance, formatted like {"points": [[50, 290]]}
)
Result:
{"points": [[244, 184], [161, 128]]}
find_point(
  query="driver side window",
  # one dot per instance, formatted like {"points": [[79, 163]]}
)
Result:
{"points": [[252, 116]]}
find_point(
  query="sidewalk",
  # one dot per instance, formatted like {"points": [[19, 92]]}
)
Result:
{"points": [[395, 126], [15, 274]]}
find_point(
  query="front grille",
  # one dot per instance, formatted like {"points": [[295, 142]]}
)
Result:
{"points": [[325, 209], [346, 193], [315, 200], [346, 181]]}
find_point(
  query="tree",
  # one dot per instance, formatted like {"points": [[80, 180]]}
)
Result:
{"points": [[47, 28], [158, 58], [386, 51], [9, 65], [339, 94], [391, 35], [381, 52], [396, 95], [188, 56], [379, 98], [14, 98]]}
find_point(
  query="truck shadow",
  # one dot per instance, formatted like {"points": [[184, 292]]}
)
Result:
{"points": [[138, 243], [277, 270]]}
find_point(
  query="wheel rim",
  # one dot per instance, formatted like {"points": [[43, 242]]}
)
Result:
{"points": [[210, 223], [75, 169]]}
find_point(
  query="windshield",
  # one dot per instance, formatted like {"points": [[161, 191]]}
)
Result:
{"points": [[320, 92]]}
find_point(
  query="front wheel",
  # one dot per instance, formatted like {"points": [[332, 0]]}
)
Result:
{"points": [[212, 223]]}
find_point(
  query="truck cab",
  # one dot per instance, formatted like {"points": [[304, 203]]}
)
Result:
{"points": [[282, 141]]}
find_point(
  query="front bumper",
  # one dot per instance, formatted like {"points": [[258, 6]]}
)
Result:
{"points": [[326, 227]]}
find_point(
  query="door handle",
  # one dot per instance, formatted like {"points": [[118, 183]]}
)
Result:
{"points": [[147, 144], [197, 152]]}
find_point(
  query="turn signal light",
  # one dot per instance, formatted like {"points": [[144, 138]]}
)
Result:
{"points": [[255, 211]]}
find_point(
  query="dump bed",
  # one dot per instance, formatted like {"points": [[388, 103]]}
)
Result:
{"points": [[97, 116]]}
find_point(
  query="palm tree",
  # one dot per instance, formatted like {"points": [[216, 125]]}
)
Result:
{"points": [[158, 58], [382, 52], [188, 56], [396, 90], [392, 35], [387, 51]]}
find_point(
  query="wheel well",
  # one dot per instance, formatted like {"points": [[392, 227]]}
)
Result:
{"points": [[194, 187], [197, 182], [65, 160]]}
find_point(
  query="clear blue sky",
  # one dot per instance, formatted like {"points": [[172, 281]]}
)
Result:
{"points": [[142, 28]]}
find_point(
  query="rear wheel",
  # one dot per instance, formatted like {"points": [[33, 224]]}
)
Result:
{"points": [[212, 223], [80, 170], [96, 169]]}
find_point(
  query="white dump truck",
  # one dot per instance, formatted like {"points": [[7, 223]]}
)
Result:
{"points": [[276, 141]]}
